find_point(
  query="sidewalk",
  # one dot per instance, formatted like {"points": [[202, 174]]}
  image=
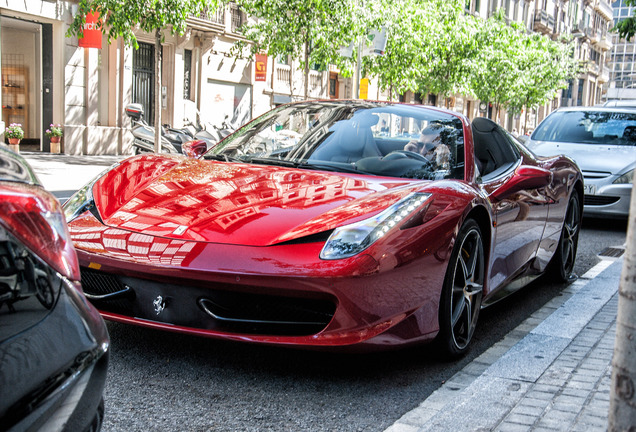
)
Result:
{"points": [[552, 373], [64, 174]]}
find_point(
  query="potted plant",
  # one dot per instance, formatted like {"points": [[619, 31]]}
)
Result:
{"points": [[54, 133], [14, 134]]}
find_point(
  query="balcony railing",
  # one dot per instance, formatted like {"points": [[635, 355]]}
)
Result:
{"points": [[216, 16], [543, 21]]}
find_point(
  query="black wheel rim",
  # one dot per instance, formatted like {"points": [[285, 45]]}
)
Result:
{"points": [[570, 236], [468, 283]]}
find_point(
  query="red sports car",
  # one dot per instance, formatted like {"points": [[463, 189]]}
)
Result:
{"points": [[328, 224]]}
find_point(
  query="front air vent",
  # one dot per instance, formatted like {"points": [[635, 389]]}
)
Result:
{"points": [[599, 200]]}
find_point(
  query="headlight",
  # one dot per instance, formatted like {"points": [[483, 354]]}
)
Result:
{"points": [[352, 239], [627, 178], [82, 200]]}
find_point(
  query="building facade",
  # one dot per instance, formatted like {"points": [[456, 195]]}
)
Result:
{"points": [[622, 83], [48, 78]]}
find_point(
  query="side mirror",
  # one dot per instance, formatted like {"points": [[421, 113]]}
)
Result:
{"points": [[525, 177], [194, 149]]}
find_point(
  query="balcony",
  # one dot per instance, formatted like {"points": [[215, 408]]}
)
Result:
{"points": [[604, 9], [543, 22], [282, 83], [604, 76], [605, 42], [215, 19], [592, 34]]}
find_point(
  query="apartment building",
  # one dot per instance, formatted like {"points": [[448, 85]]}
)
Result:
{"points": [[622, 83]]}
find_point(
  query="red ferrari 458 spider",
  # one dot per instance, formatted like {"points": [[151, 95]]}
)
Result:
{"points": [[328, 224]]}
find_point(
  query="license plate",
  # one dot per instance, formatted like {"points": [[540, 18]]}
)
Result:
{"points": [[589, 189]]}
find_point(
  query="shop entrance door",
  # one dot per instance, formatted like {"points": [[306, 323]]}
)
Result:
{"points": [[22, 78]]}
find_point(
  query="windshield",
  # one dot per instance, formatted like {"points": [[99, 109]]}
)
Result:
{"points": [[368, 138], [588, 127]]}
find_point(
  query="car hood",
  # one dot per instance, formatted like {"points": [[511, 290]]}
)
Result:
{"points": [[236, 203], [589, 157]]}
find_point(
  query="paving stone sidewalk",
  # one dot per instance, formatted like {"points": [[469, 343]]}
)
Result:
{"points": [[552, 373]]}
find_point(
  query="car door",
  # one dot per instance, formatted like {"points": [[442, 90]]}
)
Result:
{"points": [[520, 215]]}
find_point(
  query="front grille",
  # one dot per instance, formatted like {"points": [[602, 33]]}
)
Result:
{"points": [[599, 200], [103, 288], [214, 306], [596, 174]]}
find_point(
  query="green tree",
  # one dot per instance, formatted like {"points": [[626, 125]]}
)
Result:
{"points": [[309, 31], [545, 67], [119, 18], [497, 67]]}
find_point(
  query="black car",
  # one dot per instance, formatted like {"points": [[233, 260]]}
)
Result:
{"points": [[53, 344]]}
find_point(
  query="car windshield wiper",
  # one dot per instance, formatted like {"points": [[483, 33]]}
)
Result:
{"points": [[326, 166], [272, 161], [221, 157]]}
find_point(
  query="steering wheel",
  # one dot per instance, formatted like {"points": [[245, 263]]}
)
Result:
{"points": [[408, 154]]}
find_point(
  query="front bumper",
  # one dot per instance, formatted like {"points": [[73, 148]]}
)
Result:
{"points": [[284, 294], [610, 200]]}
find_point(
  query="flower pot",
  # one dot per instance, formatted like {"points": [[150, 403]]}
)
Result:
{"points": [[55, 144], [14, 144]]}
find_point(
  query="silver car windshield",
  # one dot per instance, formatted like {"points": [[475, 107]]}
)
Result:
{"points": [[588, 127], [369, 138]]}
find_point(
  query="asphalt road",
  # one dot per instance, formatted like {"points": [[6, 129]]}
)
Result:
{"points": [[168, 382]]}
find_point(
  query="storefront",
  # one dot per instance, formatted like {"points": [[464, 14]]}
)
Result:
{"points": [[27, 76]]}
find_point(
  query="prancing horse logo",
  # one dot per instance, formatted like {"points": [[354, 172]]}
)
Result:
{"points": [[159, 304]]}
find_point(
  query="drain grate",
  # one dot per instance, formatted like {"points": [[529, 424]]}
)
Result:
{"points": [[612, 252]]}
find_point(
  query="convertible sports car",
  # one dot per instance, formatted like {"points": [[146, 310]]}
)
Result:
{"points": [[328, 224], [53, 343]]}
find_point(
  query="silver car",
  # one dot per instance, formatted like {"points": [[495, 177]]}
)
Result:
{"points": [[602, 141]]}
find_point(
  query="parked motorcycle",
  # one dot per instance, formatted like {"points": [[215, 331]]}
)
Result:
{"points": [[172, 139], [144, 142]]}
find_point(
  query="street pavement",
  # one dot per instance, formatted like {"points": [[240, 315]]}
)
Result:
{"points": [[551, 373]]}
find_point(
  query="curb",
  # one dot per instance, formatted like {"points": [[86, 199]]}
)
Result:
{"points": [[482, 394]]}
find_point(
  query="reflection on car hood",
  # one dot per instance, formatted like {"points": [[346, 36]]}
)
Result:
{"points": [[589, 157], [220, 202]]}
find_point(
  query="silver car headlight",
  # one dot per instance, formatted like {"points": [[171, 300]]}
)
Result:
{"points": [[349, 240], [627, 178]]}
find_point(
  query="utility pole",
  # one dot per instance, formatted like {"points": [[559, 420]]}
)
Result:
{"points": [[622, 412]]}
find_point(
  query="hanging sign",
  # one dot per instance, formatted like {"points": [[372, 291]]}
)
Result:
{"points": [[92, 32], [364, 88], [260, 66]]}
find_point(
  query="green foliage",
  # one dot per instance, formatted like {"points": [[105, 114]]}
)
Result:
{"points": [[626, 27], [300, 28], [122, 17]]}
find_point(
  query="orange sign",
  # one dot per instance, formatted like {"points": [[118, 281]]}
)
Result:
{"points": [[92, 32], [260, 67]]}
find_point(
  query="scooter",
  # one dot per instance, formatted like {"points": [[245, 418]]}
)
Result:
{"points": [[171, 139]]}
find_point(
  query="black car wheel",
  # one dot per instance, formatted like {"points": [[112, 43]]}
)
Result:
{"points": [[462, 292], [562, 263], [98, 420]]}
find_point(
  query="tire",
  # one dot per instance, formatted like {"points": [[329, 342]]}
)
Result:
{"points": [[98, 420], [562, 264], [462, 291]]}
